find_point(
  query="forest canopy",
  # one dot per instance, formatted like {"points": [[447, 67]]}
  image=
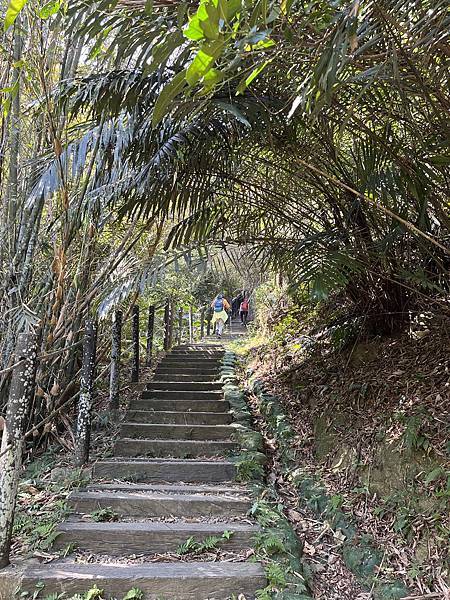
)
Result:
{"points": [[313, 136]]}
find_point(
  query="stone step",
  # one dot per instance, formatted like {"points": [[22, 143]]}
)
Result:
{"points": [[177, 370], [167, 470], [188, 355], [183, 386], [200, 346], [190, 361], [180, 405], [180, 418], [213, 348], [172, 448], [182, 394], [148, 537], [173, 488], [158, 504], [158, 581], [188, 377], [167, 431]]}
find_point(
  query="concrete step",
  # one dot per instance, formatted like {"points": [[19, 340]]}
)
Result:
{"points": [[165, 470], [176, 432], [182, 394], [188, 377], [148, 537], [172, 448], [158, 504], [183, 386], [180, 418], [174, 581], [180, 405]]}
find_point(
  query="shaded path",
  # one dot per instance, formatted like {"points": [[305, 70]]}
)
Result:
{"points": [[170, 482]]}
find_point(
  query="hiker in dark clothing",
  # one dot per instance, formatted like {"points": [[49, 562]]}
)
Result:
{"points": [[235, 304], [243, 310]]}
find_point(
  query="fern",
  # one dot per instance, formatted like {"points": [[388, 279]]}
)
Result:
{"points": [[191, 546]]}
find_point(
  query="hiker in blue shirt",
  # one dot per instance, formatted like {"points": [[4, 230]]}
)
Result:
{"points": [[221, 306]]}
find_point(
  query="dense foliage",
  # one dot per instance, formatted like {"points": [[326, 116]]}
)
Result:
{"points": [[134, 135]]}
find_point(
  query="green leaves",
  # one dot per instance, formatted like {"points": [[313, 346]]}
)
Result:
{"points": [[205, 23], [167, 95], [253, 75], [16, 6], [12, 12], [134, 594], [203, 61], [49, 9]]}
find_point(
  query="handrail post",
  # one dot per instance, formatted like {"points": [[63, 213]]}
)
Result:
{"points": [[116, 343], [83, 434], [150, 330], [180, 325], [191, 325], [167, 326], [135, 344], [202, 323], [13, 443], [171, 323]]}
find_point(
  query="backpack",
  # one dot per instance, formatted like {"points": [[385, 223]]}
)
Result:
{"points": [[244, 305], [218, 305]]}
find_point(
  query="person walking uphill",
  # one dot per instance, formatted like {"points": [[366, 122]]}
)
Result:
{"points": [[243, 310], [220, 316]]}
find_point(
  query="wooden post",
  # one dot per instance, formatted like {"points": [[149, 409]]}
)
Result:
{"points": [[167, 326], [202, 323], [208, 325], [83, 434], [171, 323], [191, 325], [150, 329], [180, 326], [13, 443], [116, 343], [135, 344]]}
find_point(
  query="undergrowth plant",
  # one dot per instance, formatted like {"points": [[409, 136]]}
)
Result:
{"points": [[276, 545], [96, 594], [359, 553], [212, 542], [42, 503], [104, 515]]}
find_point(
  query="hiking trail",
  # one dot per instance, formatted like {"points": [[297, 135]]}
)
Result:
{"points": [[170, 483]]}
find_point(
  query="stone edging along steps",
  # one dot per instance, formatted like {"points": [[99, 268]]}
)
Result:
{"points": [[359, 553], [171, 482]]}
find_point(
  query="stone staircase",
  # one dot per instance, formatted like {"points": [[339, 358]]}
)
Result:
{"points": [[170, 480]]}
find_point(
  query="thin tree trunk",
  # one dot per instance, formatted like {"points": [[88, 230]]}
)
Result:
{"points": [[83, 436], [20, 396], [116, 342], [13, 183]]}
